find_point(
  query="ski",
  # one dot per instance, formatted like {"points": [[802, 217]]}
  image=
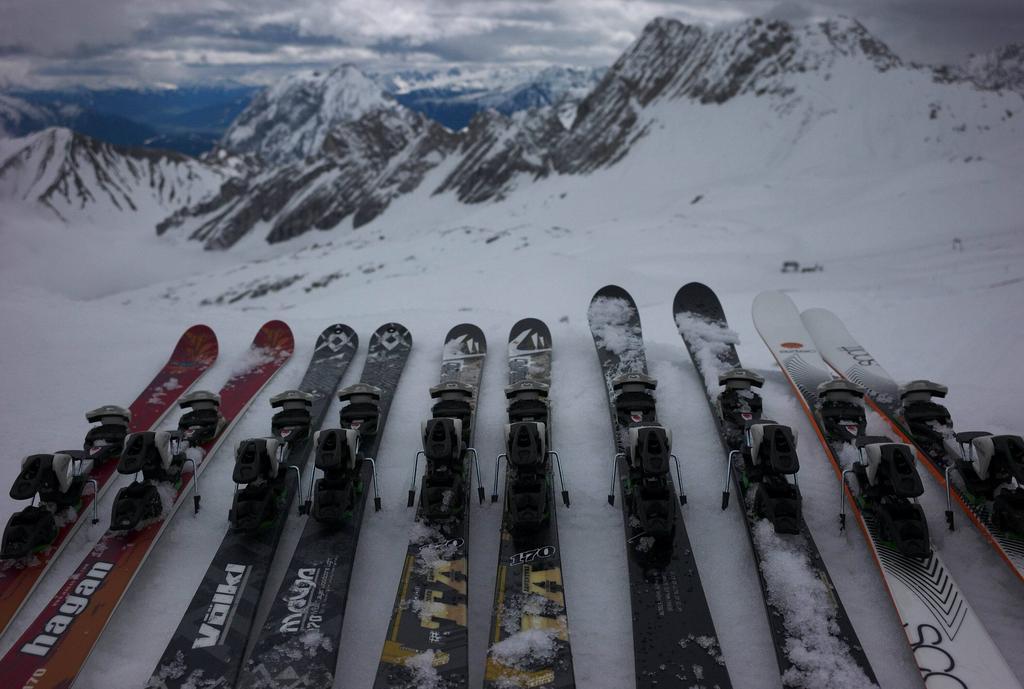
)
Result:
{"points": [[297, 646], [674, 639], [207, 647], [428, 642], [984, 473], [53, 649], [880, 481], [529, 643], [815, 642], [35, 536]]}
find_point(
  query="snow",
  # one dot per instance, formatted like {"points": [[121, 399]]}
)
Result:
{"points": [[819, 658], [875, 194]]}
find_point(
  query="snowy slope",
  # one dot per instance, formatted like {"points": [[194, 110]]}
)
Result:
{"points": [[852, 172], [826, 95]]}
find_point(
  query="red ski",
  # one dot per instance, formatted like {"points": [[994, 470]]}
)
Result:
{"points": [[195, 352], [56, 645]]}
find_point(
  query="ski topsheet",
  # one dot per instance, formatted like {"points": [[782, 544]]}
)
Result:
{"points": [[195, 352], [674, 639], [53, 649], [207, 647], [427, 644], [853, 362], [529, 637], [297, 646], [815, 642], [950, 645]]}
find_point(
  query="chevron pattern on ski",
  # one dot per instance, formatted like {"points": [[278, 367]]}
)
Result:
{"points": [[929, 579]]}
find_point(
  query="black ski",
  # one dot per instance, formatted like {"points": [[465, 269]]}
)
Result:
{"points": [[428, 641], [209, 643], [529, 642], [819, 649], [674, 638], [297, 646]]}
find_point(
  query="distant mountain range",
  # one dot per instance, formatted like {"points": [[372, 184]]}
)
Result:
{"points": [[192, 120], [188, 120], [318, 150]]}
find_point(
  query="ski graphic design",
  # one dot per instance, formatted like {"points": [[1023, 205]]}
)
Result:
{"points": [[207, 647], [674, 639], [529, 644], [194, 353], [53, 649], [818, 648], [949, 643], [297, 646], [428, 641], [931, 433]]}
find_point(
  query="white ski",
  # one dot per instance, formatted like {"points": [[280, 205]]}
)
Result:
{"points": [[950, 645]]}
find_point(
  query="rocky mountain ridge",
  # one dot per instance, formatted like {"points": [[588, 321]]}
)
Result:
{"points": [[326, 148], [71, 173]]}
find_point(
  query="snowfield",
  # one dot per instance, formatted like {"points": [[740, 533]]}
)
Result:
{"points": [[721, 194]]}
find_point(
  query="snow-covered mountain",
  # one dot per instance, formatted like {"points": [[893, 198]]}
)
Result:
{"points": [[758, 97], [290, 120], [703, 155], [74, 175], [825, 94], [362, 165]]}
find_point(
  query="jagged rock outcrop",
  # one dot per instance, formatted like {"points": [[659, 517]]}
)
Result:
{"points": [[999, 69], [291, 120], [674, 60], [496, 149], [360, 168], [319, 149]]}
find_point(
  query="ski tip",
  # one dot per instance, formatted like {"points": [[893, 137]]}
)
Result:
{"points": [[338, 330], [468, 331], [394, 333], [692, 294], [612, 292], [773, 302], [198, 342], [277, 335], [531, 326]]}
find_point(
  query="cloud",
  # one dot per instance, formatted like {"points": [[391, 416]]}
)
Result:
{"points": [[47, 43]]}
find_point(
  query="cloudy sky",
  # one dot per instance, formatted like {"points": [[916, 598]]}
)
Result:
{"points": [[50, 43]]}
